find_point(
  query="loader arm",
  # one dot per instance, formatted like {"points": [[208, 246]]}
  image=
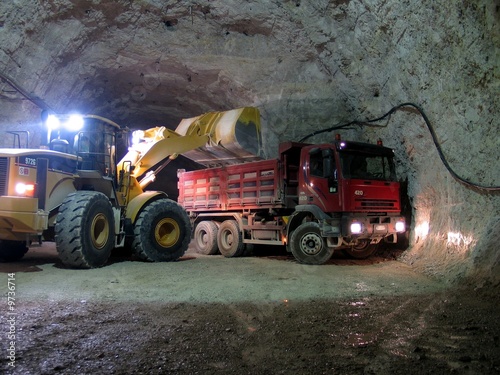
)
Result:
{"points": [[219, 138], [158, 144]]}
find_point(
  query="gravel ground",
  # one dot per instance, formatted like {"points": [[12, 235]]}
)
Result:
{"points": [[250, 315]]}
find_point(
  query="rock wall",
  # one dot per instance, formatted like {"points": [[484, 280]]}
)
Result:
{"points": [[308, 66]]}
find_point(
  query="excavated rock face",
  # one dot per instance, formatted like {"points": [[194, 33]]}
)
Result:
{"points": [[307, 65]]}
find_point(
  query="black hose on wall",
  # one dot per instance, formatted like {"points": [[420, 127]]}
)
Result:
{"points": [[431, 130]]}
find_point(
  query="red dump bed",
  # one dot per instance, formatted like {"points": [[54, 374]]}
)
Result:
{"points": [[254, 185]]}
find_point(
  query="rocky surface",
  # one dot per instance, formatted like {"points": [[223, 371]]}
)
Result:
{"points": [[250, 315], [403, 335], [307, 66]]}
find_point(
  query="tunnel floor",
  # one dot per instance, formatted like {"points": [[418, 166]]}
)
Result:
{"points": [[250, 315]]}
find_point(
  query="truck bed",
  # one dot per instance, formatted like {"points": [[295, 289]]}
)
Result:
{"points": [[247, 186]]}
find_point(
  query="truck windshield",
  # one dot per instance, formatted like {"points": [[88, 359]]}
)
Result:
{"points": [[367, 166]]}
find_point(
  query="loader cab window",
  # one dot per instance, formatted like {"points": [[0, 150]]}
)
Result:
{"points": [[60, 145], [61, 163], [97, 151]]}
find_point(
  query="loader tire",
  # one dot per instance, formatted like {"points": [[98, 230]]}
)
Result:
{"points": [[307, 245], [230, 239], [10, 251], [162, 232], [85, 230], [205, 238]]}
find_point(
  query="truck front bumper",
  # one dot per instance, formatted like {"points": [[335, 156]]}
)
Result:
{"points": [[372, 226]]}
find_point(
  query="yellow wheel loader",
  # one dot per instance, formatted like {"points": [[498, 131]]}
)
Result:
{"points": [[74, 191]]}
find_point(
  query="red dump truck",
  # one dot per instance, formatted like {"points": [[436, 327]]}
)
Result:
{"points": [[314, 198]]}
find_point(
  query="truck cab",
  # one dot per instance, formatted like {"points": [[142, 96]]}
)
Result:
{"points": [[352, 189]]}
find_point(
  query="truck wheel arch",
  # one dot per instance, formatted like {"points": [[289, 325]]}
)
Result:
{"points": [[301, 212], [219, 217]]}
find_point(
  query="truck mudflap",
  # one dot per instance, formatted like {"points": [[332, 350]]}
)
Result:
{"points": [[20, 216]]}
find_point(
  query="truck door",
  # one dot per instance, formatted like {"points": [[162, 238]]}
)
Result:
{"points": [[320, 185]]}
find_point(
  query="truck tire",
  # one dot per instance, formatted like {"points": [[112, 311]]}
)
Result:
{"points": [[361, 250], [162, 232], [85, 230], [10, 251], [205, 238], [307, 245], [230, 240]]}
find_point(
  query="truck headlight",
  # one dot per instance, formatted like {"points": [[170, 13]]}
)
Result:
{"points": [[400, 226], [356, 228]]}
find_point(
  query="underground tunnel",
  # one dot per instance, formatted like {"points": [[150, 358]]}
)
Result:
{"points": [[422, 77]]}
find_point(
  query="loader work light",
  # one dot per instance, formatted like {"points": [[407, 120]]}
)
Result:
{"points": [[72, 123], [53, 122], [138, 136]]}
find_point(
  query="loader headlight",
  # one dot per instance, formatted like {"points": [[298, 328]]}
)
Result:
{"points": [[356, 228], [25, 190], [400, 226]]}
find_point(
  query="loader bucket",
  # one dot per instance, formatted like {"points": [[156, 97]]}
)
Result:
{"points": [[234, 136]]}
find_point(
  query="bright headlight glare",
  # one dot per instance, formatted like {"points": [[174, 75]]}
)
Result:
{"points": [[24, 189], [53, 122], [400, 226], [356, 228], [74, 123], [137, 136]]}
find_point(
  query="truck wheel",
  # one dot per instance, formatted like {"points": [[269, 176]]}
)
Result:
{"points": [[230, 240], [361, 250], [205, 238], [308, 246], [10, 251], [85, 230], [162, 232]]}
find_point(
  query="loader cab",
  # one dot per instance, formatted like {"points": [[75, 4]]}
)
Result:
{"points": [[96, 148], [91, 138]]}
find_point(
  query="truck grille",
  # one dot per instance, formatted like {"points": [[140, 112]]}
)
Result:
{"points": [[373, 204], [4, 163]]}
